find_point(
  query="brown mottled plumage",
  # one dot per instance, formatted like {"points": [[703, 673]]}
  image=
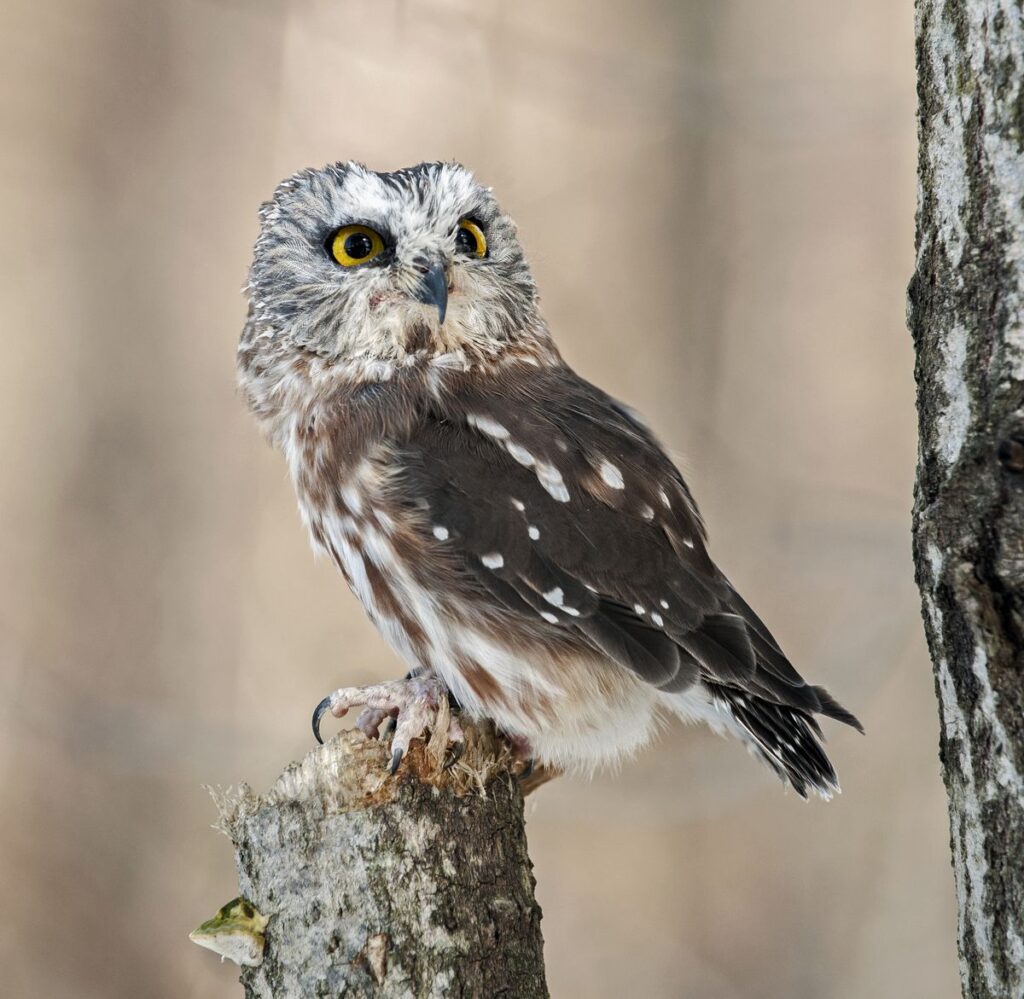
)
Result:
{"points": [[516, 534]]}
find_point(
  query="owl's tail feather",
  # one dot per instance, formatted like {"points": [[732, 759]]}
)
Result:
{"points": [[788, 739], [831, 708]]}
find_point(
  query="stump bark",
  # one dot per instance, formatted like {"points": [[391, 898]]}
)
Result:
{"points": [[414, 885], [966, 313]]}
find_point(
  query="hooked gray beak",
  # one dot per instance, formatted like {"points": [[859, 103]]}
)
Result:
{"points": [[433, 290]]}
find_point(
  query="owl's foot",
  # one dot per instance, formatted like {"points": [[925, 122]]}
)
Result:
{"points": [[523, 752], [411, 705], [530, 774]]}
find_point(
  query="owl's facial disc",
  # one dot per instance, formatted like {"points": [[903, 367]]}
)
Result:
{"points": [[356, 265]]}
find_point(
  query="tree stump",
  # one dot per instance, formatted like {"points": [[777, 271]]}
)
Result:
{"points": [[414, 885]]}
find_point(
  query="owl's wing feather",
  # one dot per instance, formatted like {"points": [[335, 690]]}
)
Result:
{"points": [[565, 512]]}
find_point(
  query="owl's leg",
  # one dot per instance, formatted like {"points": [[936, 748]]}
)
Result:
{"points": [[412, 702]]}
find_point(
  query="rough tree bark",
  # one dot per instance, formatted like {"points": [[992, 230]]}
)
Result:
{"points": [[417, 885], [966, 313]]}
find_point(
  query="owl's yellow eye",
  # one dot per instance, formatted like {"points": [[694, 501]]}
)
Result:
{"points": [[469, 238], [352, 245]]}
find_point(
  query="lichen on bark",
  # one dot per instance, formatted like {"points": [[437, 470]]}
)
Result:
{"points": [[417, 885], [966, 314]]}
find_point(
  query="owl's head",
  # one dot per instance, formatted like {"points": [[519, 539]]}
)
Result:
{"points": [[358, 266]]}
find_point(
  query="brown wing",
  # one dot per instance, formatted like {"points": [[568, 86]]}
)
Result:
{"points": [[564, 511]]}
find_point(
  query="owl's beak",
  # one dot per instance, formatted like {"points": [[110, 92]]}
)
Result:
{"points": [[433, 290]]}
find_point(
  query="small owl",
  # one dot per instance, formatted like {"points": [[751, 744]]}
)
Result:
{"points": [[517, 535]]}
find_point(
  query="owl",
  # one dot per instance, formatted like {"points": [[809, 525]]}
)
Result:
{"points": [[516, 534]]}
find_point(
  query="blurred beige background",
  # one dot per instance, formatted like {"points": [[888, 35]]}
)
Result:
{"points": [[162, 622]]}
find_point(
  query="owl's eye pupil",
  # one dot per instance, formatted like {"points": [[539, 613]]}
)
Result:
{"points": [[358, 245], [465, 241], [355, 244]]}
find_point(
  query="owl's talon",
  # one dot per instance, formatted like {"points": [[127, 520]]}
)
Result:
{"points": [[318, 713], [396, 759], [454, 754], [390, 724], [456, 743], [527, 772]]}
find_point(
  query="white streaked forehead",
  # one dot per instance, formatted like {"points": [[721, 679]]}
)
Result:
{"points": [[439, 193]]}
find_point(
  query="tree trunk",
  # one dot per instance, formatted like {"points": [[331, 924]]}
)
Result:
{"points": [[966, 313], [415, 885]]}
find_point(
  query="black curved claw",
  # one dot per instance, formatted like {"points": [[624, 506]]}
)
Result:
{"points": [[454, 754], [527, 772], [318, 713], [388, 728], [396, 758]]}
